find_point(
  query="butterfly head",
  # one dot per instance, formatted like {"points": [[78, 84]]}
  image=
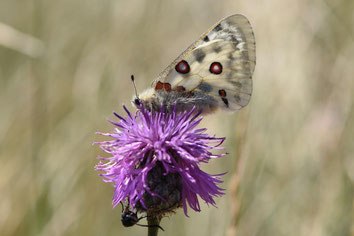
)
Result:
{"points": [[137, 102], [145, 99]]}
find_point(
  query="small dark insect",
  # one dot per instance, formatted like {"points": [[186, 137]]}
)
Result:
{"points": [[130, 218]]}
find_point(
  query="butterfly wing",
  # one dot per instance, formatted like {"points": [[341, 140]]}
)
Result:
{"points": [[218, 66]]}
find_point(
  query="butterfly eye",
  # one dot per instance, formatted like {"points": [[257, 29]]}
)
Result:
{"points": [[137, 101], [182, 67]]}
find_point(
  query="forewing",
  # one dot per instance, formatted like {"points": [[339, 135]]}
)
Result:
{"points": [[232, 87], [220, 64]]}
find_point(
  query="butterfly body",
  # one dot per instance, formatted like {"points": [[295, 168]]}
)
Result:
{"points": [[153, 100], [215, 72]]}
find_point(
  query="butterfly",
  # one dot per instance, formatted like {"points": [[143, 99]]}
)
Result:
{"points": [[213, 73]]}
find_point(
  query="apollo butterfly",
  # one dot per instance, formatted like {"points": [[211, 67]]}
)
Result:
{"points": [[214, 72]]}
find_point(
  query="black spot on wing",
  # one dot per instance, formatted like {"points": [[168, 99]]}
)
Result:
{"points": [[230, 60], [206, 39], [217, 49], [225, 101], [199, 55], [218, 28], [233, 39], [205, 87], [237, 84], [237, 98]]}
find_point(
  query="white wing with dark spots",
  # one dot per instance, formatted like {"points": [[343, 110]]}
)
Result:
{"points": [[214, 72]]}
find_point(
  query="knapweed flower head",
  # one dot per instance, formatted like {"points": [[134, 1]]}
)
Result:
{"points": [[155, 161]]}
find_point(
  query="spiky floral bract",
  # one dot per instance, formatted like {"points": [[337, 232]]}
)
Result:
{"points": [[156, 157]]}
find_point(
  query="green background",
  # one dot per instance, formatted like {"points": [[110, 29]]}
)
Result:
{"points": [[66, 65]]}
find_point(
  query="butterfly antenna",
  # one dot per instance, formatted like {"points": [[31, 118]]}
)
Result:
{"points": [[136, 92]]}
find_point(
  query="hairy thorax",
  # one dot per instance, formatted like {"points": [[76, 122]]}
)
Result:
{"points": [[167, 101]]}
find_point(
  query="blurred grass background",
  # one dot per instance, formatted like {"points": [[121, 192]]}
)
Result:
{"points": [[66, 65]]}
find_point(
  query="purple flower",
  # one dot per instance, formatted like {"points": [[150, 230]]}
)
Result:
{"points": [[155, 161]]}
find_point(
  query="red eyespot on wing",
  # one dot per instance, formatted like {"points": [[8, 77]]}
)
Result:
{"points": [[167, 87], [181, 89], [164, 86], [182, 67], [222, 93], [215, 68], [159, 86]]}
